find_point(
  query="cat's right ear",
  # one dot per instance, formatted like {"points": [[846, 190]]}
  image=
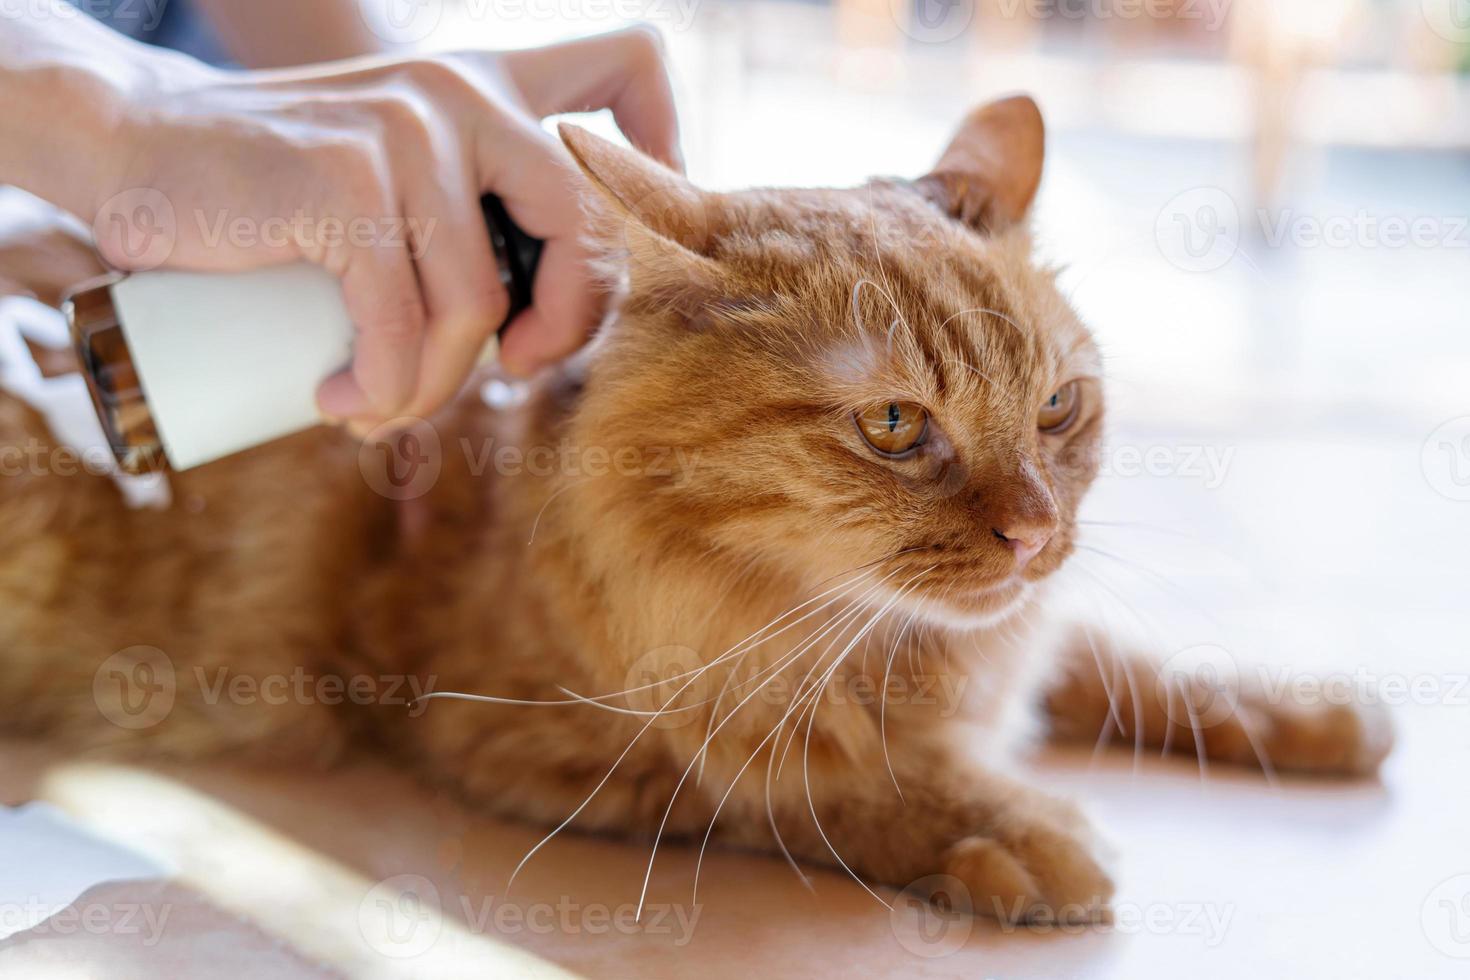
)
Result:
{"points": [[661, 221], [989, 173]]}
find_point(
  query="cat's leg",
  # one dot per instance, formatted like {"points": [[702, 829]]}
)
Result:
{"points": [[872, 769], [1020, 854], [1225, 712]]}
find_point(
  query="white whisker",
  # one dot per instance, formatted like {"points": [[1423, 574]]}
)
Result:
{"points": [[774, 733], [705, 746]]}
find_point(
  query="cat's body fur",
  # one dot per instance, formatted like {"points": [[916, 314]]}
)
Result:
{"points": [[744, 343]]}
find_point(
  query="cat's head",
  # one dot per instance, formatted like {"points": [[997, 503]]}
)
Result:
{"points": [[875, 382]]}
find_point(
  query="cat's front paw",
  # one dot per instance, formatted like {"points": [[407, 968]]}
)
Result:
{"points": [[1036, 873]]}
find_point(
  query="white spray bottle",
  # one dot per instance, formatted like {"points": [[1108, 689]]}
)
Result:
{"points": [[185, 368]]}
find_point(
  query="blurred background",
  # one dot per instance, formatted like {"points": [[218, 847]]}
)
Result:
{"points": [[1227, 177]]}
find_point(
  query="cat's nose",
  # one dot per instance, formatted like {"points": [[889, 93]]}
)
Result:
{"points": [[1024, 540]]}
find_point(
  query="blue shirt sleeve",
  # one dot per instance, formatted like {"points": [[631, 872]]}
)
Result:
{"points": [[174, 24]]}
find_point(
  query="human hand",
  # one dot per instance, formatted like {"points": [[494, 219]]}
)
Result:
{"points": [[43, 253], [373, 169]]}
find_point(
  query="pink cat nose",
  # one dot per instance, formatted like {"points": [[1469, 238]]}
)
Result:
{"points": [[1025, 542]]}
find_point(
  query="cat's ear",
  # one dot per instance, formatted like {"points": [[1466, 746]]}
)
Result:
{"points": [[656, 216], [989, 173]]}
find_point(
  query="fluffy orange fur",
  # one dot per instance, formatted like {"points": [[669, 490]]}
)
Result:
{"points": [[752, 625]]}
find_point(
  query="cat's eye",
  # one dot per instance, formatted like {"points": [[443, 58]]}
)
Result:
{"points": [[1058, 411], [893, 428]]}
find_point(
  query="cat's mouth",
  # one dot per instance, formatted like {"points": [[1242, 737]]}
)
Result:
{"points": [[1001, 594], [975, 607]]}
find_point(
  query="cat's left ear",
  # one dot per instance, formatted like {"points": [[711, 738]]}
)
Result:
{"points": [[988, 175], [660, 220]]}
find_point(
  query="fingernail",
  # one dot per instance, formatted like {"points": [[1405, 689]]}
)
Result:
{"points": [[340, 397]]}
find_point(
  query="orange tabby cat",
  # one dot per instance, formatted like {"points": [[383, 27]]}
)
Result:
{"points": [[766, 545]]}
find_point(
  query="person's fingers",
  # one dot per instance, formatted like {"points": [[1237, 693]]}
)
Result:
{"points": [[461, 299], [560, 317], [536, 179], [542, 190], [383, 301], [340, 399], [623, 71], [642, 99], [45, 263], [463, 294], [380, 286]]}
